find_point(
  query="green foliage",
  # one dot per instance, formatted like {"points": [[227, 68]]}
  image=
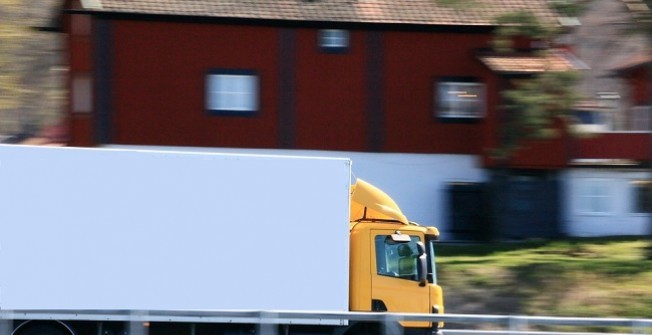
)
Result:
{"points": [[31, 94], [458, 4], [10, 76], [577, 277], [568, 8], [520, 23], [535, 104]]}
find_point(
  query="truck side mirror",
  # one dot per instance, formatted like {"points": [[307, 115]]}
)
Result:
{"points": [[422, 264]]}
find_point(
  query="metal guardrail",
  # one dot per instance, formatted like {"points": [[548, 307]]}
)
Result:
{"points": [[501, 324], [522, 325]]}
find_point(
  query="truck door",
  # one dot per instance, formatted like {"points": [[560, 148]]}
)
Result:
{"points": [[395, 284]]}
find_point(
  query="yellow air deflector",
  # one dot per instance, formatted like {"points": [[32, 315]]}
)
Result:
{"points": [[370, 203]]}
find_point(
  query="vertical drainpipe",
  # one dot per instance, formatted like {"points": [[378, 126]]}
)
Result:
{"points": [[287, 87], [102, 49], [374, 111]]}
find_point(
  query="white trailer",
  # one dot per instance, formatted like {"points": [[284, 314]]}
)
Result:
{"points": [[137, 230]]}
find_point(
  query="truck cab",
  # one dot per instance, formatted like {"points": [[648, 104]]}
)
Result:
{"points": [[392, 261]]}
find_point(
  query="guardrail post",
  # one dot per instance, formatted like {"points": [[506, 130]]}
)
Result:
{"points": [[390, 325], [640, 327], [6, 322], [5, 327], [265, 326], [517, 324], [137, 328], [137, 324]]}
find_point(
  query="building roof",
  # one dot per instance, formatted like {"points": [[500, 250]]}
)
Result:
{"points": [[555, 60], [639, 9], [633, 62], [421, 12]]}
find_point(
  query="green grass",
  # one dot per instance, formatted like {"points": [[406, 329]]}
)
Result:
{"points": [[579, 277]]}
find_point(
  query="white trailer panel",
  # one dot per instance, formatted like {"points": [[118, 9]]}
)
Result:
{"points": [[146, 230]]}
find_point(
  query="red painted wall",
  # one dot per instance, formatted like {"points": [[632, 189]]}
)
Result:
{"points": [[159, 72], [330, 94], [542, 154], [80, 56], [413, 62], [615, 146], [640, 82], [81, 131], [159, 85], [80, 61]]}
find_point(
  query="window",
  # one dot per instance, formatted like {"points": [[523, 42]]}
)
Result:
{"points": [[591, 121], [82, 93], [642, 193], [640, 118], [595, 196], [460, 99], [333, 39], [232, 92], [397, 259]]}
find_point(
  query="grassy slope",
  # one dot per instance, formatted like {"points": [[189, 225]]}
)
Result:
{"points": [[597, 278]]}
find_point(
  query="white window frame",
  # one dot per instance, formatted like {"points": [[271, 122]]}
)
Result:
{"points": [[595, 196], [451, 96], [232, 92], [334, 39]]}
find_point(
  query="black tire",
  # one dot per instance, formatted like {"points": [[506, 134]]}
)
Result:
{"points": [[364, 328], [45, 328]]}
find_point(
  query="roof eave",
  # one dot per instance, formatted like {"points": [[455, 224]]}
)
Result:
{"points": [[380, 25]]}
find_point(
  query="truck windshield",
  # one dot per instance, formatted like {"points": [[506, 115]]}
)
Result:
{"points": [[432, 264]]}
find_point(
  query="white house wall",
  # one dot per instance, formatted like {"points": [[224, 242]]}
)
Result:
{"points": [[417, 182], [619, 219]]}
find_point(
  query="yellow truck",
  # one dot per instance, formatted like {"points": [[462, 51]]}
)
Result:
{"points": [[117, 242], [392, 262]]}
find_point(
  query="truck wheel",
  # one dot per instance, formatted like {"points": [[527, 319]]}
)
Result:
{"points": [[374, 328], [42, 328], [364, 328]]}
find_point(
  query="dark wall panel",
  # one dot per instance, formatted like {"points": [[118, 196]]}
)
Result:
{"points": [[330, 94], [413, 62], [159, 73]]}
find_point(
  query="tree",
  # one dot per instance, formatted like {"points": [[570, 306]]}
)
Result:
{"points": [[31, 90], [534, 105], [642, 19], [11, 92]]}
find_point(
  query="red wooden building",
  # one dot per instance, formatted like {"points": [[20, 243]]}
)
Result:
{"points": [[378, 76], [637, 73]]}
